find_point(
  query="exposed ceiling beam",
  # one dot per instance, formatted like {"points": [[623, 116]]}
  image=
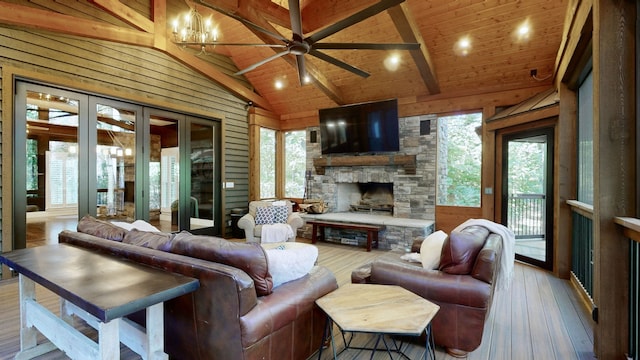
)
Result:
{"points": [[219, 77], [410, 33], [126, 14], [20, 15], [51, 21]]}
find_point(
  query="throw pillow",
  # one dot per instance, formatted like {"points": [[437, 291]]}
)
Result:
{"points": [[290, 261], [461, 248], [138, 224], [264, 215], [280, 214], [102, 229], [431, 249]]}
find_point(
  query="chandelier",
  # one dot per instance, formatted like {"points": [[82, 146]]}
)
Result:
{"points": [[194, 30]]}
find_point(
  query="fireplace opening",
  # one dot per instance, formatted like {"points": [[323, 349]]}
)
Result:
{"points": [[374, 197]]}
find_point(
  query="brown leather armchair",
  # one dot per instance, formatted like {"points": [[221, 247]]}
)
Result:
{"points": [[464, 297]]}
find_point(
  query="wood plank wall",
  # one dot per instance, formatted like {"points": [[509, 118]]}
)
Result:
{"points": [[134, 74]]}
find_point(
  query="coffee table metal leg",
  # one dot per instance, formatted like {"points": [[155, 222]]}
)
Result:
{"points": [[430, 345]]}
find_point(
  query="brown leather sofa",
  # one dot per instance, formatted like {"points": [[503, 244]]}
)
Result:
{"points": [[235, 314], [464, 296]]}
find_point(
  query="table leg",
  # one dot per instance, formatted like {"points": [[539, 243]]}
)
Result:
{"points": [[155, 332], [314, 233], [28, 332], [430, 345], [369, 239], [109, 340], [29, 347]]}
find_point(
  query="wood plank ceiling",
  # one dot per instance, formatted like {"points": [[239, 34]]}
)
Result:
{"points": [[496, 61]]}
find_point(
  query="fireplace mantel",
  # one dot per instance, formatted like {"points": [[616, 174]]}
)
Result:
{"points": [[407, 161]]}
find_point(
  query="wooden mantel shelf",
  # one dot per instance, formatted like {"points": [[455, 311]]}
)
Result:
{"points": [[407, 161]]}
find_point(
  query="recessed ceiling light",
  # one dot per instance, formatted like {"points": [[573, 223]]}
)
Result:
{"points": [[392, 62], [522, 32], [463, 46], [307, 79], [279, 85]]}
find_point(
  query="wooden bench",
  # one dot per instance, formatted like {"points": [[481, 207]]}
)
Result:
{"points": [[372, 230]]}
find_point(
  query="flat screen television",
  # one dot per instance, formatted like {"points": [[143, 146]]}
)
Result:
{"points": [[370, 127]]}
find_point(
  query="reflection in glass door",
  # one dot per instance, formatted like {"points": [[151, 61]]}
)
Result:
{"points": [[49, 164], [116, 160], [204, 177], [527, 178]]}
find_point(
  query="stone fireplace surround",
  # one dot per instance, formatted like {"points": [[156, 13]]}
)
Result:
{"points": [[413, 194]]}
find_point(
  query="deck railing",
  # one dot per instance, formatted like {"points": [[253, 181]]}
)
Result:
{"points": [[632, 232], [582, 245], [526, 215]]}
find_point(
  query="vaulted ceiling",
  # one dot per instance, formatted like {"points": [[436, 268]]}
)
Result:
{"points": [[497, 59]]}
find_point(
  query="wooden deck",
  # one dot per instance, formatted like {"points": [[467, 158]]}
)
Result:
{"points": [[539, 317]]}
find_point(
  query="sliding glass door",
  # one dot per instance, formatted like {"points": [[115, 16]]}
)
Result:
{"points": [[81, 154]]}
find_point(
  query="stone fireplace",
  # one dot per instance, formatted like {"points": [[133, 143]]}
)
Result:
{"points": [[409, 189]]}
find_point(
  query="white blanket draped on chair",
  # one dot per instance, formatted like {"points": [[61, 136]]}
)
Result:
{"points": [[276, 233]]}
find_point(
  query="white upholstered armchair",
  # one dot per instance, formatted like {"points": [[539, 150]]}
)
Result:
{"points": [[253, 230]]}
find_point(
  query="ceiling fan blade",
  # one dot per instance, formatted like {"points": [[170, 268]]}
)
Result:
{"points": [[214, 43], [352, 20], [296, 18], [244, 21], [338, 63], [366, 46], [262, 62], [302, 70]]}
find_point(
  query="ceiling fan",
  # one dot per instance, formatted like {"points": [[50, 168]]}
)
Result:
{"points": [[299, 45]]}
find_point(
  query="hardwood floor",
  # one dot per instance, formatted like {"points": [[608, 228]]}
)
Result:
{"points": [[539, 317]]}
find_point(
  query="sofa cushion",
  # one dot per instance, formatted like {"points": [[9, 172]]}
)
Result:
{"points": [[289, 261], [461, 248], [102, 229], [152, 240], [431, 250], [248, 257]]}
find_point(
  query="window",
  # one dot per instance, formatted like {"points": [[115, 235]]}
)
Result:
{"points": [[459, 160], [295, 163], [585, 140], [267, 163]]}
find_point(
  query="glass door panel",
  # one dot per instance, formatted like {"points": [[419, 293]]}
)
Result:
{"points": [[116, 162], [164, 170], [203, 164], [49, 164], [527, 208]]}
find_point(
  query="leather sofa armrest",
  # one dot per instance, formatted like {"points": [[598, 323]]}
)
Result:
{"points": [[488, 260], [432, 285], [286, 304]]}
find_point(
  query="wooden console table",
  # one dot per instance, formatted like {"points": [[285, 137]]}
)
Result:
{"points": [[372, 230], [100, 289]]}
